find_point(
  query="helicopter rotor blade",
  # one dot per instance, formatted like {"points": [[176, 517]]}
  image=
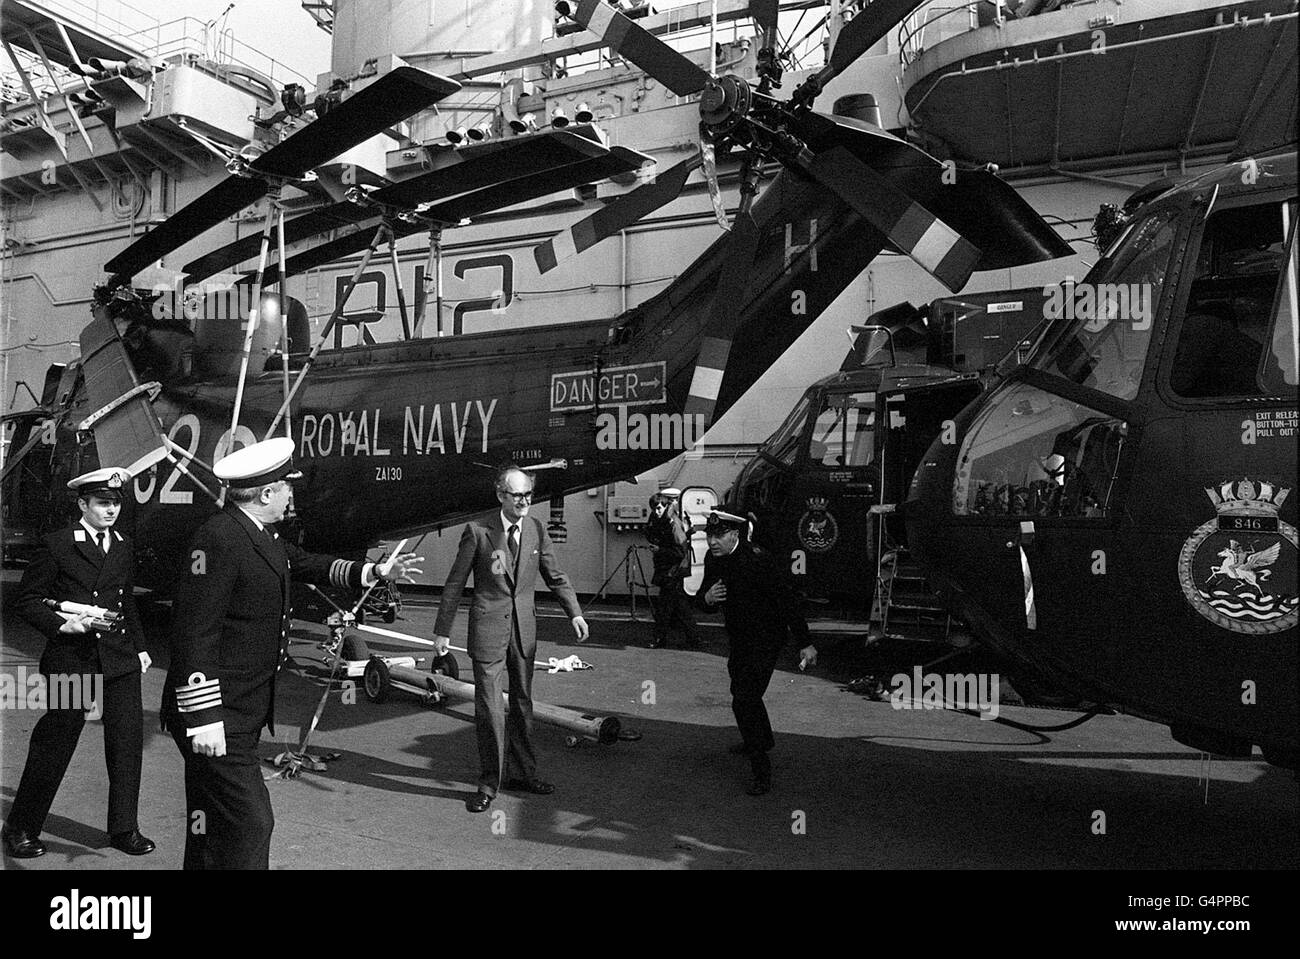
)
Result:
{"points": [[219, 203], [619, 215], [332, 217], [765, 13], [935, 246], [461, 171], [856, 38], [632, 42], [393, 97], [619, 160], [733, 277]]}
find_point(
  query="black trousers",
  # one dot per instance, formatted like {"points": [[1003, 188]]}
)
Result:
{"points": [[228, 815], [54, 740], [505, 737], [750, 669], [672, 610]]}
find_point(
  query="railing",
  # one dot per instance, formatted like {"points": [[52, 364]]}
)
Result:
{"points": [[934, 25], [187, 38], [183, 39], [322, 11], [112, 18]]}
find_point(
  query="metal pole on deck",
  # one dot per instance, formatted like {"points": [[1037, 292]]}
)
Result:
{"points": [[325, 332]]}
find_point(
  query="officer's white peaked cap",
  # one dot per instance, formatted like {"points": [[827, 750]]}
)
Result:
{"points": [[259, 464]]}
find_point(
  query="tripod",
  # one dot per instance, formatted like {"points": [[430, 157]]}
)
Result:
{"points": [[635, 576]]}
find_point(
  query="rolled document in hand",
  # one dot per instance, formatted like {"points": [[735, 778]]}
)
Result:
{"points": [[101, 618]]}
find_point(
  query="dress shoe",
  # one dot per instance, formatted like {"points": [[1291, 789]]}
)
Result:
{"points": [[22, 845], [534, 785], [132, 843], [760, 786], [658, 643], [478, 802]]}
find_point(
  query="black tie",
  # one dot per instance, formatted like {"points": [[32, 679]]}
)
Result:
{"points": [[514, 543], [103, 543]]}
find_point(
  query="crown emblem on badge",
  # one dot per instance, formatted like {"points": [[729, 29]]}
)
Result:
{"points": [[115, 481], [818, 504], [1244, 497]]}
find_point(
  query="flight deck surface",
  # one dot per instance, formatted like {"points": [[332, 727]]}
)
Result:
{"points": [[857, 784]]}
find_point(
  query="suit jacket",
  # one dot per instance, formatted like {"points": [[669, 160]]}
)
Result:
{"points": [[503, 597], [672, 555], [230, 621], [761, 608], [73, 568]]}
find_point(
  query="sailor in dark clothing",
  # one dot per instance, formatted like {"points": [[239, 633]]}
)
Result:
{"points": [[761, 613], [230, 634], [672, 564], [92, 565]]}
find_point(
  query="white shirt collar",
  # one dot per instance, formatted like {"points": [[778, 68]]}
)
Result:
{"points": [[257, 522], [506, 524], [94, 533]]}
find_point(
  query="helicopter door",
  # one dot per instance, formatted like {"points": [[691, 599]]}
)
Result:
{"points": [[1221, 518], [829, 503]]}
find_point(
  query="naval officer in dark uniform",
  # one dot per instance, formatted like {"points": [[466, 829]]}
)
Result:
{"points": [[230, 634], [761, 613], [94, 565]]}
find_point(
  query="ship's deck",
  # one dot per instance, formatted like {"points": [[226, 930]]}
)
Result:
{"points": [[876, 787]]}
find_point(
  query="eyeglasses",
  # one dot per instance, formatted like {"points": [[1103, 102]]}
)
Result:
{"points": [[519, 497]]}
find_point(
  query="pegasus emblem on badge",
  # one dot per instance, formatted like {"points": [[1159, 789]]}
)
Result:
{"points": [[1245, 564]]}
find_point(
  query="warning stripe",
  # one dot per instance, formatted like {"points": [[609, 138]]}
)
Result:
{"points": [[706, 382], [914, 230]]}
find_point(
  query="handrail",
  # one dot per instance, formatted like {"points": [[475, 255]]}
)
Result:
{"points": [[910, 37]]}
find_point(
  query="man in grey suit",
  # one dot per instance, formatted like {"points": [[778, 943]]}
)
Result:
{"points": [[505, 554]]}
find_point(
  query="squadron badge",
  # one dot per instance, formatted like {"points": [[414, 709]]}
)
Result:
{"points": [[817, 528], [1239, 569]]}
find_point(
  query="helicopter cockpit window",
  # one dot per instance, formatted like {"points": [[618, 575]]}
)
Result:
{"points": [[1225, 336], [1035, 454], [784, 444], [842, 434], [1111, 313], [1278, 373]]}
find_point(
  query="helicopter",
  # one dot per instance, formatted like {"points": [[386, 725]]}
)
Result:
{"points": [[816, 486], [1118, 512], [394, 437]]}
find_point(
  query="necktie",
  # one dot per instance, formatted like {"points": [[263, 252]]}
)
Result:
{"points": [[513, 538], [103, 541]]}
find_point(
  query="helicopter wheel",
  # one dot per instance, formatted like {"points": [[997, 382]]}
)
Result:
{"points": [[446, 665], [573, 742], [355, 648], [376, 680], [390, 614]]}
